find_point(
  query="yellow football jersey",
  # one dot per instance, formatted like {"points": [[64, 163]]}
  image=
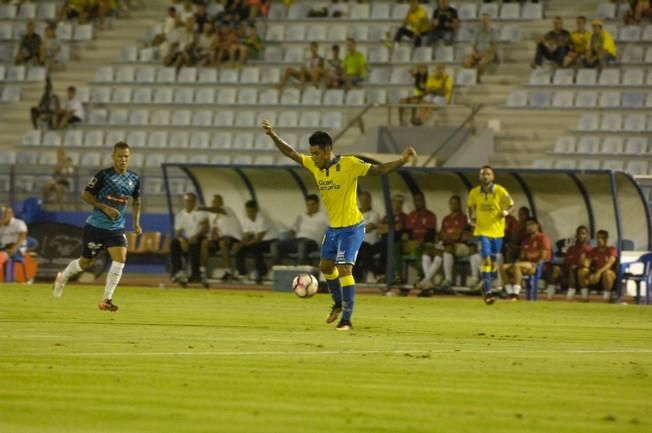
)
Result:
{"points": [[338, 188], [489, 219]]}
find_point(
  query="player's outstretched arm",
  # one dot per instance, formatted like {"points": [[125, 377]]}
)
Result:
{"points": [[285, 148], [388, 167]]}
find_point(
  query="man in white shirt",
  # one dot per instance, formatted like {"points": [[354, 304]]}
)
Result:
{"points": [[190, 228], [72, 110], [258, 234], [365, 262], [13, 236], [306, 234], [225, 235]]}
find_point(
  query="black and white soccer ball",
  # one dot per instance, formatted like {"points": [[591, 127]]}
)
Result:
{"points": [[305, 285]]}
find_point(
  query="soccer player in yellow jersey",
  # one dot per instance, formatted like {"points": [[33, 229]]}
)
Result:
{"points": [[488, 205], [337, 179]]}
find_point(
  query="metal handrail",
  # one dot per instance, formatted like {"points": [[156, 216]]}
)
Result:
{"points": [[474, 110], [356, 119]]}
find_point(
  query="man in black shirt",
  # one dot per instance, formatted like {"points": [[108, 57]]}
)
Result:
{"points": [[554, 45], [30, 46], [445, 23]]}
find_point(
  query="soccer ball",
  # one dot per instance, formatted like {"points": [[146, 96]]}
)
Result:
{"points": [[305, 285]]}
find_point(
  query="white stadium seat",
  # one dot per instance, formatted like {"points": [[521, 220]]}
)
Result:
{"points": [[612, 145], [565, 144]]}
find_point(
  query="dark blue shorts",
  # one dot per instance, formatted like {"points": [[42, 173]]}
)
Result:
{"points": [[342, 244], [490, 246], [96, 239]]}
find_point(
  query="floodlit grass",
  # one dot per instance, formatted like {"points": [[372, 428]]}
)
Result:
{"points": [[216, 361]]}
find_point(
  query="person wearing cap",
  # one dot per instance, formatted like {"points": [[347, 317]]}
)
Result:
{"points": [[554, 45], [602, 48]]}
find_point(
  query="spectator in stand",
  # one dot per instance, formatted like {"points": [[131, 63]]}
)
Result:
{"points": [[580, 41], [567, 273], [420, 75], [50, 48], [365, 261], [535, 249], [29, 49], [515, 233], [400, 236], [306, 234], [414, 24], [554, 45], [252, 43], [439, 92], [172, 21], [354, 66], [47, 107], [257, 238], [191, 227], [444, 24], [638, 10], [240, 49], [313, 70], [236, 11], [599, 268], [484, 47], [64, 173], [187, 11], [201, 16], [602, 48], [333, 69], [226, 38], [258, 8], [13, 236], [74, 10], [71, 112], [187, 45], [205, 43], [225, 235]]}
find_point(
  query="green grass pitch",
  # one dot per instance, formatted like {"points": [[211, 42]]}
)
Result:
{"points": [[222, 361]]}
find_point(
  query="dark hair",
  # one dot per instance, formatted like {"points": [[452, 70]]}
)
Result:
{"points": [[487, 166], [580, 228], [171, 9], [335, 47], [581, 17], [603, 232], [252, 204], [121, 145], [558, 18], [418, 193], [321, 139], [456, 197], [364, 193], [72, 88], [191, 194], [524, 209], [312, 197]]}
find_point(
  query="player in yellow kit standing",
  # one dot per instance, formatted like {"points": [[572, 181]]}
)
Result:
{"points": [[488, 205], [337, 179]]}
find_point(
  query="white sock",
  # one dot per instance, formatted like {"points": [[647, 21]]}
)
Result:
{"points": [[585, 293], [571, 293], [475, 260], [606, 295], [430, 266], [550, 290], [516, 289], [509, 289], [71, 270], [448, 266], [112, 279]]}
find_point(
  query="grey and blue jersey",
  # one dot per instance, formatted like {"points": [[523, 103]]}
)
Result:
{"points": [[112, 189]]}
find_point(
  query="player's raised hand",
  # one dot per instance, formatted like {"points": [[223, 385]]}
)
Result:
{"points": [[267, 127], [409, 153], [112, 213]]}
